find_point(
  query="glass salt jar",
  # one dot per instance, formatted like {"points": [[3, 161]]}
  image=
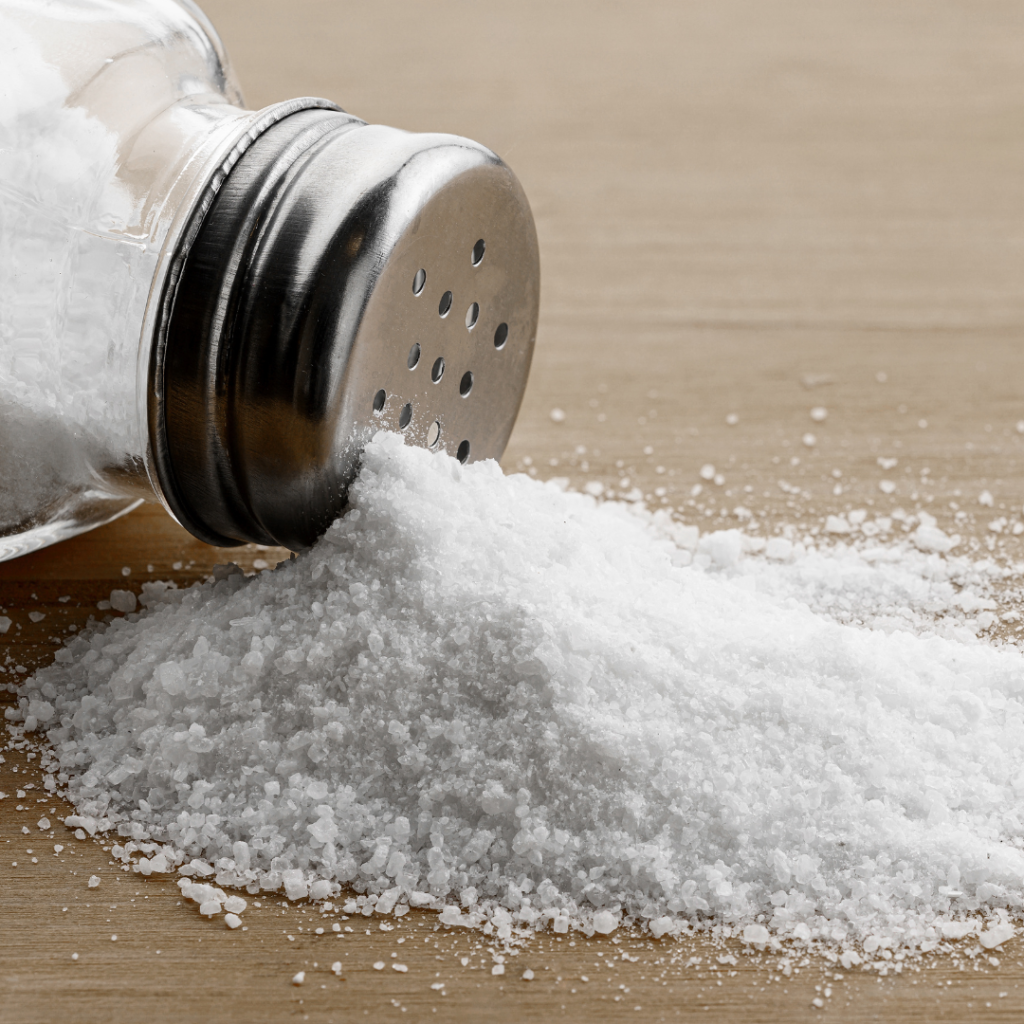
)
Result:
{"points": [[215, 307]]}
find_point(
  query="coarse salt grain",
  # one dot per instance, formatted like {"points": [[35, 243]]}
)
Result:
{"points": [[569, 704]]}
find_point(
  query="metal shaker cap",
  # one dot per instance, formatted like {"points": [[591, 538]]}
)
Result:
{"points": [[346, 278]]}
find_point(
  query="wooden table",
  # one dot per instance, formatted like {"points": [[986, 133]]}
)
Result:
{"points": [[747, 207]]}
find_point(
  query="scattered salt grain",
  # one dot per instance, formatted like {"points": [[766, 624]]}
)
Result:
{"points": [[74, 956], [732, 419], [477, 686], [5, 623], [336, 967], [498, 969], [886, 486], [986, 499], [232, 920], [37, 616], [707, 472], [528, 975], [557, 415], [299, 979], [819, 414], [997, 935], [401, 968], [94, 881], [379, 965], [809, 440], [123, 601]]}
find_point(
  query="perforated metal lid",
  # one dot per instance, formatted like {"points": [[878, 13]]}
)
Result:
{"points": [[346, 278]]}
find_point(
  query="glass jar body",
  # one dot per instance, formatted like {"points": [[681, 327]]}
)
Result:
{"points": [[114, 116]]}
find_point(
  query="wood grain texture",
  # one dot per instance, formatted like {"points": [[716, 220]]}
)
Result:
{"points": [[750, 207]]}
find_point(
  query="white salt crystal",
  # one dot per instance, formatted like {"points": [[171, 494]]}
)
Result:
{"points": [[320, 889], [94, 881], [809, 440], [779, 548], [123, 601], [232, 920], [986, 499], [707, 472], [528, 975], [295, 887], [498, 969], [37, 616], [235, 905], [209, 907], [557, 415], [605, 922], [997, 934], [300, 977], [886, 486], [5, 623], [336, 967], [401, 968], [819, 414], [930, 538], [379, 965]]}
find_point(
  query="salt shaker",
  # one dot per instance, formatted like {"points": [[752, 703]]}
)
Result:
{"points": [[216, 307]]}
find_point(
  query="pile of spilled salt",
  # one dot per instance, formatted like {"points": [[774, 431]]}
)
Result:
{"points": [[484, 693]]}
